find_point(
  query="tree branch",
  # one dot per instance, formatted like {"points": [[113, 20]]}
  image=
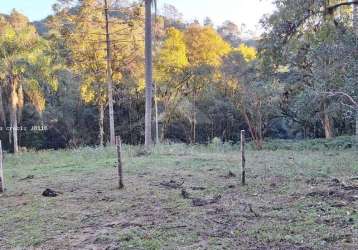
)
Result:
{"points": [[345, 95], [332, 8]]}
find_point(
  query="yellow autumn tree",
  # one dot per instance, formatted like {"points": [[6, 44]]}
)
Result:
{"points": [[85, 36], [205, 46], [205, 51], [172, 55], [169, 66], [249, 53], [88, 53]]}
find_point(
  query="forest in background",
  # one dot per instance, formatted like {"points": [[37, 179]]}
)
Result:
{"points": [[298, 80]]}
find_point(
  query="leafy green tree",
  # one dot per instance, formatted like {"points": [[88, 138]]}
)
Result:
{"points": [[310, 40], [186, 63], [26, 68], [253, 93]]}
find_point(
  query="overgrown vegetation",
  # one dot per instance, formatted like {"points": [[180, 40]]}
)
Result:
{"points": [[338, 143], [298, 80]]}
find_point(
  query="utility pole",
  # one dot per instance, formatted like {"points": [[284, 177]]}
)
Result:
{"points": [[355, 28], [157, 141], [355, 17], [148, 73], [355, 108], [2, 181], [109, 78]]}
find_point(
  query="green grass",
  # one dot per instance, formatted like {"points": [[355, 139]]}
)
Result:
{"points": [[146, 215]]}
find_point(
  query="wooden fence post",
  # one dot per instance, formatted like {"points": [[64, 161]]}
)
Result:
{"points": [[243, 159], [2, 181], [119, 166], [356, 135]]}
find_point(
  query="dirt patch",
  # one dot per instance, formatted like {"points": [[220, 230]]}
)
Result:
{"points": [[173, 184], [336, 189]]}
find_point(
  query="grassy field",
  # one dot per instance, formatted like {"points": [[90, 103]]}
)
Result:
{"points": [[181, 197]]}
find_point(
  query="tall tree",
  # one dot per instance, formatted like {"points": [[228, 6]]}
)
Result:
{"points": [[83, 31], [355, 29], [250, 91], [205, 52], [170, 65], [26, 65], [355, 18], [309, 40]]}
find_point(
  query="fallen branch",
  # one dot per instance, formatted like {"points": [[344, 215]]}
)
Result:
{"points": [[252, 210], [198, 202], [198, 188], [172, 184], [173, 227], [29, 177]]}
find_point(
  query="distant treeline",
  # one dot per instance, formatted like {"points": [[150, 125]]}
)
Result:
{"points": [[298, 80]]}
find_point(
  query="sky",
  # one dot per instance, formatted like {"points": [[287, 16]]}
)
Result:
{"points": [[247, 12], [34, 9]]}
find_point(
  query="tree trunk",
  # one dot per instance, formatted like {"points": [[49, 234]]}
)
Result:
{"points": [[327, 122], [194, 128], [260, 126], [109, 80], [356, 141], [165, 124], [194, 117], [101, 126], [253, 131], [130, 120], [2, 110], [148, 73], [355, 27], [157, 141], [355, 18], [13, 116], [163, 130], [212, 129], [20, 102], [2, 181]]}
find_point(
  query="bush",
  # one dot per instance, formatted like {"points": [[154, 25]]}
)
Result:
{"points": [[338, 143]]}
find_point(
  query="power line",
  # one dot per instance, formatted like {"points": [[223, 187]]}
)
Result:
{"points": [[115, 40], [103, 34]]}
